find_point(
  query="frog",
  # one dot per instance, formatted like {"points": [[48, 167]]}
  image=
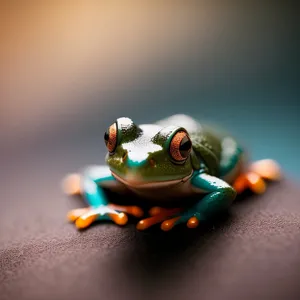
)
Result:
{"points": [[167, 162]]}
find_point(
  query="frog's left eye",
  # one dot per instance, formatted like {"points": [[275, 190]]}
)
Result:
{"points": [[180, 146], [110, 138]]}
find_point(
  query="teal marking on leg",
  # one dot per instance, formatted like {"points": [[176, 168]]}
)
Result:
{"points": [[219, 197], [103, 218], [91, 185], [93, 194], [103, 212]]}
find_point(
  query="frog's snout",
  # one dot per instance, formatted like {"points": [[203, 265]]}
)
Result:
{"points": [[133, 164], [137, 160]]}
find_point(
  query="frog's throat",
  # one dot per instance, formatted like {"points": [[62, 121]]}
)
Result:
{"points": [[151, 184]]}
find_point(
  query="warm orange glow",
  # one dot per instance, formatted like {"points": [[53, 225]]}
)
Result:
{"points": [[240, 184], [256, 183], [71, 184], [53, 51], [267, 168]]}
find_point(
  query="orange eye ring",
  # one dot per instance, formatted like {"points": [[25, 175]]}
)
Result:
{"points": [[180, 146], [110, 138]]}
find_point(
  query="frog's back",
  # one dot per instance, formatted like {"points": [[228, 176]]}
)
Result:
{"points": [[206, 139], [181, 120]]}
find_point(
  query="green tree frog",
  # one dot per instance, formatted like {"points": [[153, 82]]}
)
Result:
{"points": [[167, 162]]}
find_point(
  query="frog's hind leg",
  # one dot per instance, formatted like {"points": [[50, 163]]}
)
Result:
{"points": [[235, 169], [256, 175], [268, 169]]}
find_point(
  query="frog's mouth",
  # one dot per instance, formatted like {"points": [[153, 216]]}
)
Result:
{"points": [[137, 183]]}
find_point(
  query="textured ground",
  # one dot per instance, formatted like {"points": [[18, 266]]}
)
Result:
{"points": [[254, 253]]}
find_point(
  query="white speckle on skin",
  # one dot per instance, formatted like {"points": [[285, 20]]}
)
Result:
{"points": [[140, 148], [229, 144], [141, 152]]}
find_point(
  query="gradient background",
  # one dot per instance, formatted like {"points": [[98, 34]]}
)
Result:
{"points": [[68, 69]]}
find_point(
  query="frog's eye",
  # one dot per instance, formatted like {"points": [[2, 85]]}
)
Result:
{"points": [[110, 138], [180, 146]]}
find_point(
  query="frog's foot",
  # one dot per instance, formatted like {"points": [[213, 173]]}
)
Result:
{"points": [[169, 218], [158, 215], [71, 184], [258, 172], [190, 217], [84, 217]]}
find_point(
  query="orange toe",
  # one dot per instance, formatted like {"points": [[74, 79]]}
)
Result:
{"points": [[169, 224], [136, 211], [119, 219], [84, 222], [132, 210], [240, 184], [256, 183], [148, 222], [193, 222], [142, 225], [74, 214], [156, 210], [157, 218]]}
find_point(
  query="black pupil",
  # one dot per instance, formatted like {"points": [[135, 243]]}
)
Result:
{"points": [[185, 147], [106, 137]]}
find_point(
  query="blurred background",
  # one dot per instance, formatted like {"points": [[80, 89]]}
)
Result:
{"points": [[70, 68]]}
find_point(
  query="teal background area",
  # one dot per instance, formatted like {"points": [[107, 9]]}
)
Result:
{"points": [[264, 117]]}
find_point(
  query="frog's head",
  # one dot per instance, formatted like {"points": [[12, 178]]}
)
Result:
{"points": [[148, 154]]}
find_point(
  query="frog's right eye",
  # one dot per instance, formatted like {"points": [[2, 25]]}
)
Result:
{"points": [[180, 146], [110, 138]]}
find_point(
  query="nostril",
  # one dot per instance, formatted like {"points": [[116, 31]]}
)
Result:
{"points": [[152, 162]]}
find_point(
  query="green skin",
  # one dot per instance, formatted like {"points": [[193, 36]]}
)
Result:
{"points": [[212, 165]]}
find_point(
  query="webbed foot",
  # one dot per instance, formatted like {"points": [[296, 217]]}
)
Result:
{"points": [[84, 217], [258, 173]]}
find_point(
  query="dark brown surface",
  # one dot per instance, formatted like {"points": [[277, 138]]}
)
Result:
{"points": [[254, 253]]}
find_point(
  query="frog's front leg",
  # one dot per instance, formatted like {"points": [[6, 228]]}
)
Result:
{"points": [[218, 197], [90, 184]]}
